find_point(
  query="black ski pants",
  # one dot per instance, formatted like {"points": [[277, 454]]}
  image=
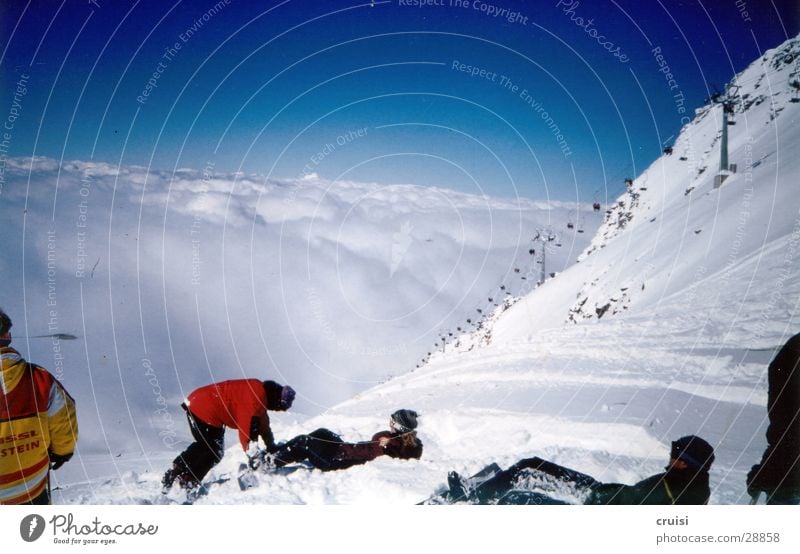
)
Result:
{"points": [[319, 447], [502, 482], [192, 465]]}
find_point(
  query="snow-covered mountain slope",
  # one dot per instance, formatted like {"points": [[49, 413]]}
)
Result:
{"points": [[719, 260], [701, 285]]}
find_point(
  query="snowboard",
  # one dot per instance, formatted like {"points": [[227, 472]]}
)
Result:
{"points": [[247, 478], [176, 495]]}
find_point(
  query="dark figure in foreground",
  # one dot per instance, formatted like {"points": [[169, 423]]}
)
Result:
{"points": [[239, 404], [326, 450], [685, 481], [778, 474], [38, 425]]}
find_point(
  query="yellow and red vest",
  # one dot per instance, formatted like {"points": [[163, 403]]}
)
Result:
{"points": [[37, 416]]}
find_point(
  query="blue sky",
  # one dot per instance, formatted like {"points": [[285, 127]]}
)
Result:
{"points": [[380, 93]]}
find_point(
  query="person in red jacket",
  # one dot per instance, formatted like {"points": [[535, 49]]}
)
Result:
{"points": [[38, 425], [239, 404], [326, 450]]}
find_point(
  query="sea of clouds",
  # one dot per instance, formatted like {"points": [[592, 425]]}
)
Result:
{"points": [[174, 279]]}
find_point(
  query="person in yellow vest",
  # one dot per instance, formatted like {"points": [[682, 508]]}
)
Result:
{"points": [[38, 425]]}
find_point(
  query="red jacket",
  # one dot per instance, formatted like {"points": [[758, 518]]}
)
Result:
{"points": [[359, 453], [233, 404]]}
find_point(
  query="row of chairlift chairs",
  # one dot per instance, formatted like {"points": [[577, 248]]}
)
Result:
{"points": [[596, 206]]}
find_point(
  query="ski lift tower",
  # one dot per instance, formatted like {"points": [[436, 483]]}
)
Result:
{"points": [[728, 101], [544, 237]]}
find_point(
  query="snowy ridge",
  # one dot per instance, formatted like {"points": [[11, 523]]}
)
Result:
{"points": [[481, 335], [672, 236]]}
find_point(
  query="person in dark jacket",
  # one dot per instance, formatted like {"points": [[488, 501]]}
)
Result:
{"points": [[239, 404], [685, 481], [778, 474], [326, 450]]}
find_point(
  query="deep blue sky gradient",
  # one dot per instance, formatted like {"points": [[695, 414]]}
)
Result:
{"points": [[270, 87]]}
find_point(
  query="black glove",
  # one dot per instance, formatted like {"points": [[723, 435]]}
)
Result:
{"points": [[57, 460], [755, 481]]}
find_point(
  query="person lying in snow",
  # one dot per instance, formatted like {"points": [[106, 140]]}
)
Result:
{"points": [[326, 450], [685, 481]]}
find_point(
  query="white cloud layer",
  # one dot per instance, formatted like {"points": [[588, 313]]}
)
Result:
{"points": [[176, 279]]}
